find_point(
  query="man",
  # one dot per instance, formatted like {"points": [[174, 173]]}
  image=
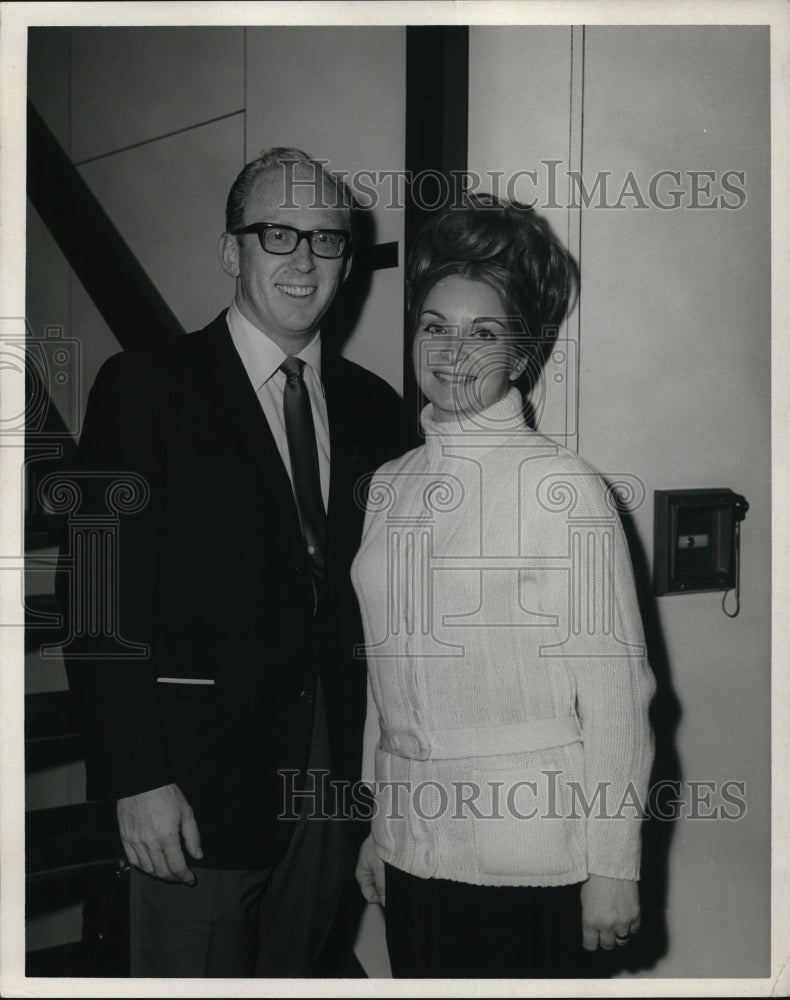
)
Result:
{"points": [[234, 580]]}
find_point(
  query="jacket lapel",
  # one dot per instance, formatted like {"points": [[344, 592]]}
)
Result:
{"points": [[239, 401]]}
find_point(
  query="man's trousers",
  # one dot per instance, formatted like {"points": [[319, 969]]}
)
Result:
{"points": [[264, 923]]}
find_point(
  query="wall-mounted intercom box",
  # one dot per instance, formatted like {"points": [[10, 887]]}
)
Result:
{"points": [[696, 539]]}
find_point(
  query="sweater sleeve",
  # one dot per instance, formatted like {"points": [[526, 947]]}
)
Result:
{"points": [[602, 648], [371, 732], [370, 740]]}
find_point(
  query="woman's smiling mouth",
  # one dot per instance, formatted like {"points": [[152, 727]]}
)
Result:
{"points": [[453, 378]]}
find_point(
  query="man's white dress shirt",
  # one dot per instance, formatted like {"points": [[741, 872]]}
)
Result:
{"points": [[262, 358]]}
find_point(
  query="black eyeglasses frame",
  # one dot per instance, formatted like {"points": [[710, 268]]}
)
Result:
{"points": [[259, 228]]}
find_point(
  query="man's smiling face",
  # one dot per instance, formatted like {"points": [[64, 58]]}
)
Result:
{"points": [[285, 295]]}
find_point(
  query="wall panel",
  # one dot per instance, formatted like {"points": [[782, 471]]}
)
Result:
{"points": [[167, 199], [524, 136], [675, 355], [519, 113], [47, 300], [131, 85], [339, 93], [674, 387], [48, 84]]}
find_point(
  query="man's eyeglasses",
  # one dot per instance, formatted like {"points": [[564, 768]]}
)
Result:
{"points": [[278, 239]]}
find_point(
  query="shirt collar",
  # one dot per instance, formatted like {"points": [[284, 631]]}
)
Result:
{"points": [[259, 353]]}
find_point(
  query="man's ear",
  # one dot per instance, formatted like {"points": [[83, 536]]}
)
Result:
{"points": [[228, 251], [347, 266]]}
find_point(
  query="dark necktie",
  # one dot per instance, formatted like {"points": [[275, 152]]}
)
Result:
{"points": [[303, 452]]}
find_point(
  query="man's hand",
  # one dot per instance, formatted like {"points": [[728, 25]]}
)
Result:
{"points": [[152, 825], [370, 873], [610, 911]]}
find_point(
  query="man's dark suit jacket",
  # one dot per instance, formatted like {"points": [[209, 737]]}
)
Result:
{"points": [[213, 578]]}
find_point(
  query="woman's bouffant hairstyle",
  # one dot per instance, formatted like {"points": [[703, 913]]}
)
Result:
{"points": [[508, 246]]}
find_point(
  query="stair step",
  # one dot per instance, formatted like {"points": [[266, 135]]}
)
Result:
{"points": [[63, 838], [50, 715], [63, 887], [41, 632], [60, 960], [52, 735], [80, 959]]}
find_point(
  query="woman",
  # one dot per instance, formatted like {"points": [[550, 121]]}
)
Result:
{"points": [[507, 737]]}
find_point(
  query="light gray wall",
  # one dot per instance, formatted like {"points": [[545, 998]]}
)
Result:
{"points": [[674, 387]]}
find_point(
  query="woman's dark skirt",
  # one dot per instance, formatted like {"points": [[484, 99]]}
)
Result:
{"points": [[442, 929]]}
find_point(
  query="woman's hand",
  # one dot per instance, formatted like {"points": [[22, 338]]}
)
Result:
{"points": [[370, 873], [610, 911]]}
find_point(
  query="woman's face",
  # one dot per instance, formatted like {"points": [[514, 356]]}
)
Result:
{"points": [[465, 356]]}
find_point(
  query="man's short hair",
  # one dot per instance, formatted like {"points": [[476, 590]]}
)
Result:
{"points": [[286, 159]]}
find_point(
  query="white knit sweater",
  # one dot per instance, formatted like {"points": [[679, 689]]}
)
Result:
{"points": [[496, 589]]}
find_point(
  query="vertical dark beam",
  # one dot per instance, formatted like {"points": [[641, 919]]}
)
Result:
{"points": [[437, 107]]}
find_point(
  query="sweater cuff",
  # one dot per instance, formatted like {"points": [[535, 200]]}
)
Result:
{"points": [[614, 847]]}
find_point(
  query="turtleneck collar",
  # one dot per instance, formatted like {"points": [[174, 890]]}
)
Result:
{"points": [[504, 418]]}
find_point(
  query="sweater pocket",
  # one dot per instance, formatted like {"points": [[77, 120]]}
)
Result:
{"points": [[524, 824]]}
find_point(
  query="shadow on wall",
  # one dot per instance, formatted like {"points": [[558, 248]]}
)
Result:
{"points": [[343, 315], [652, 942]]}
